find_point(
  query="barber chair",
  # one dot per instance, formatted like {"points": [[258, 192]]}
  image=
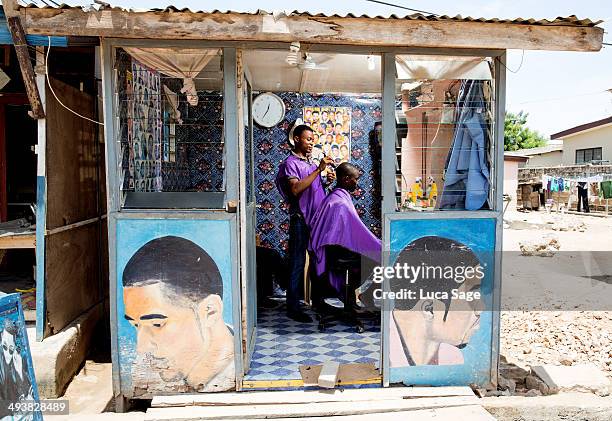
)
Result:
{"points": [[343, 261]]}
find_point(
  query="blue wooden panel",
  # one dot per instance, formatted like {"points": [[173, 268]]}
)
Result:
{"points": [[452, 348], [6, 39], [174, 304], [41, 215]]}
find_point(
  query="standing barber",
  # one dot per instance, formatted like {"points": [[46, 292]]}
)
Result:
{"points": [[299, 182]]}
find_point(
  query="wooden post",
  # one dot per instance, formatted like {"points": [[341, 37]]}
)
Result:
{"points": [[25, 62]]}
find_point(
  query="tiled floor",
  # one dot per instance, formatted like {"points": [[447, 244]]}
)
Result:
{"points": [[283, 345]]}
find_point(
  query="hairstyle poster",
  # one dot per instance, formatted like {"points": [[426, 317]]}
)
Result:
{"points": [[332, 132], [441, 320], [174, 306], [144, 128], [17, 382]]}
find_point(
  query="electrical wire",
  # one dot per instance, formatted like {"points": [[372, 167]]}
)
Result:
{"points": [[402, 7], [53, 92], [510, 70]]}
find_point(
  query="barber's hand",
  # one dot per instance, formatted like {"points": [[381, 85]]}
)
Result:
{"points": [[325, 161], [331, 176]]}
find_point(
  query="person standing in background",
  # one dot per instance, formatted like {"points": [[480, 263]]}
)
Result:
{"points": [[583, 196]]}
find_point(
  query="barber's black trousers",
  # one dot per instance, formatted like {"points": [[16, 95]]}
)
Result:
{"points": [[583, 196], [298, 242]]}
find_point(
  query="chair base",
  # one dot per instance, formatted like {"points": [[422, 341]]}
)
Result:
{"points": [[327, 320]]}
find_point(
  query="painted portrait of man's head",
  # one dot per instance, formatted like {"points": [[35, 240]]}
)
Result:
{"points": [[435, 323], [173, 297], [15, 375]]}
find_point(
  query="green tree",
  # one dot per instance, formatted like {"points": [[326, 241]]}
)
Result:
{"points": [[518, 136]]}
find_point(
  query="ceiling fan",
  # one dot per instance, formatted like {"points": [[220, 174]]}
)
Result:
{"points": [[302, 60], [308, 63]]}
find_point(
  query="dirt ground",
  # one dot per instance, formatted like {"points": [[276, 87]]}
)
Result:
{"points": [[558, 307]]}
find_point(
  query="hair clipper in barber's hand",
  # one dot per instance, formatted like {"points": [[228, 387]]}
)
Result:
{"points": [[331, 173], [323, 164]]}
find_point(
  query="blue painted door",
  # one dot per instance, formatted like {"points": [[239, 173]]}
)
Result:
{"points": [[438, 319], [175, 295]]}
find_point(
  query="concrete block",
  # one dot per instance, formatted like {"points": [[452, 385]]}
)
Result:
{"points": [[535, 383], [506, 384], [58, 358], [513, 372], [576, 378], [329, 374]]}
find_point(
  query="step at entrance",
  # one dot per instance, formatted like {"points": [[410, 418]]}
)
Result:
{"points": [[414, 403]]}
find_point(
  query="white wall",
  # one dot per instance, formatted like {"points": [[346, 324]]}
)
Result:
{"points": [[598, 137], [511, 180], [549, 159]]}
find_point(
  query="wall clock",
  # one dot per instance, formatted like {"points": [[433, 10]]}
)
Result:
{"points": [[268, 109]]}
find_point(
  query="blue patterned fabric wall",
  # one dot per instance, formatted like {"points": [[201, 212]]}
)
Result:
{"points": [[199, 147], [271, 148], [199, 140]]}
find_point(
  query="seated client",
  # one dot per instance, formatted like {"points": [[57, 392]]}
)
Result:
{"points": [[337, 230]]}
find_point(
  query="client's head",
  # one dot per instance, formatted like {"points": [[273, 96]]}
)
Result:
{"points": [[347, 176]]}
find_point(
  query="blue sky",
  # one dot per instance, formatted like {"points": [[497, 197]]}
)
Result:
{"points": [[558, 89]]}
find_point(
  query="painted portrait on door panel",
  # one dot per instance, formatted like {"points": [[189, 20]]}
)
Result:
{"points": [[173, 299], [439, 304]]}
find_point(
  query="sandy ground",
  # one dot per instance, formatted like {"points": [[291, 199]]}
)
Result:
{"points": [[559, 308]]}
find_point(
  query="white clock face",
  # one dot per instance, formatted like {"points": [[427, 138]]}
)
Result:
{"points": [[268, 110]]}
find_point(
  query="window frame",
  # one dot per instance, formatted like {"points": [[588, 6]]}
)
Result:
{"points": [[131, 201], [495, 153], [592, 151]]}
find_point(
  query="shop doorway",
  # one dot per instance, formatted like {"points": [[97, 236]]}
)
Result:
{"points": [[17, 257], [339, 97], [18, 161]]}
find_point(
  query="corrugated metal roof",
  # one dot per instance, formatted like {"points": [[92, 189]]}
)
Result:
{"points": [[559, 21]]}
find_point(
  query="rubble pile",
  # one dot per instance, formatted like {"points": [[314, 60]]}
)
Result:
{"points": [[537, 339], [544, 247], [531, 338], [569, 225]]}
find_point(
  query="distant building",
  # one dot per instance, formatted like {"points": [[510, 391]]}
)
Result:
{"points": [[511, 166], [550, 155], [587, 143]]}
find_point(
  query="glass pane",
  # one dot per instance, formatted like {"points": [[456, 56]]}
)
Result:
{"points": [[588, 155], [445, 121], [580, 156], [170, 124], [597, 154]]}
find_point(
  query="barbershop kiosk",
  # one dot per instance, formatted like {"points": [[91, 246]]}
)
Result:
{"points": [[196, 119]]}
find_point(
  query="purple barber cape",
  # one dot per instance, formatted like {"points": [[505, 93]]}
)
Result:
{"points": [[311, 198], [337, 223]]}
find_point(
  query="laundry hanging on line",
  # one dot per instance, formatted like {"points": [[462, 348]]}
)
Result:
{"points": [[599, 185]]}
